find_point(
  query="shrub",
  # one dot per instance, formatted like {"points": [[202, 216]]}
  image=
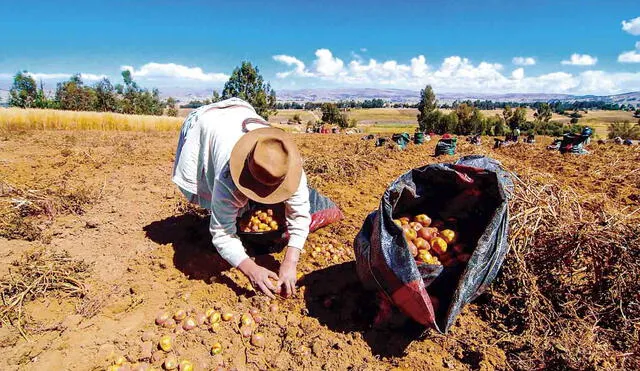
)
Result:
{"points": [[624, 130]]}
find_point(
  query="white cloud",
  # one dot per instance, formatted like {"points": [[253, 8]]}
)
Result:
{"points": [[459, 74], [632, 56], [326, 64], [49, 76], [299, 69], [64, 76], [155, 71], [55, 76], [419, 66], [632, 26], [364, 50], [581, 60], [518, 73], [523, 61]]}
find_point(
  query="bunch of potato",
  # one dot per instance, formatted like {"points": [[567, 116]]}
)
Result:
{"points": [[330, 252], [430, 244], [260, 221]]}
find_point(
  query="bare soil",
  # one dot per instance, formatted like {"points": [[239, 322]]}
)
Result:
{"points": [[106, 198]]}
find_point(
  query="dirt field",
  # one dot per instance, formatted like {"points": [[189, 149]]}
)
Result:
{"points": [[565, 298]]}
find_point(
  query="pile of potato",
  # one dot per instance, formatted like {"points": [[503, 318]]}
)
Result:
{"points": [[260, 221], [429, 243], [173, 324]]}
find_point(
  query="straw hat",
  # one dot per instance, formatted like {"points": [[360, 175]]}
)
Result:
{"points": [[266, 165]]}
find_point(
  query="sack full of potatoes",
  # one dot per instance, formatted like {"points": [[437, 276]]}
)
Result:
{"points": [[438, 238]]}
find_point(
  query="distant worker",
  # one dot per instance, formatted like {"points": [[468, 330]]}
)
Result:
{"points": [[531, 139], [516, 134], [587, 132], [227, 155]]}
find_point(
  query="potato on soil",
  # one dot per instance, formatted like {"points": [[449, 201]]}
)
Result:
{"points": [[257, 340], [185, 365], [170, 363], [215, 317], [189, 324], [179, 315], [166, 343], [227, 316], [162, 317], [216, 348]]}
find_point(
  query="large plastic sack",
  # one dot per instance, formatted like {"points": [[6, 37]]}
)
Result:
{"points": [[474, 191], [574, 143], [323, 212], [401, 139], [446, 146]]}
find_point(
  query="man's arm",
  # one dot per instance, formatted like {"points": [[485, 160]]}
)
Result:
{"points": [[224, 210], [298, 215], [225, 203], [298, 220]]}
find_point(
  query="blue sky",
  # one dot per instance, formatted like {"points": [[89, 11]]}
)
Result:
{"points": [[458, 46]]}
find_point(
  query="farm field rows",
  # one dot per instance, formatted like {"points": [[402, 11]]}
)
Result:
{"points": [[565, 297], [384, 120]]}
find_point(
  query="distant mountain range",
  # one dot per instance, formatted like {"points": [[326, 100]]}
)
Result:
{"points": [[185, 95], [401, 95]]}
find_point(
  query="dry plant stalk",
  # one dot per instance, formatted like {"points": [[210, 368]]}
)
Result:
{"points": [[37, 274], [567, 294], [18, 207]]}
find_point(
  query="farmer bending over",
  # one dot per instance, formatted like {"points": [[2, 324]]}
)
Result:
{"points": [[227, 155]]}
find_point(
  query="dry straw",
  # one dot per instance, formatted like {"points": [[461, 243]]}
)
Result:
{"points": [[45, 119], [35, 275], [567, 294]]}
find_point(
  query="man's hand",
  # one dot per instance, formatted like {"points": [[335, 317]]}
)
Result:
{"points": [[259, 276], [287, 277]]}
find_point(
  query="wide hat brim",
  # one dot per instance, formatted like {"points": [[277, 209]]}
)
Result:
{"points": [[246, 183]]}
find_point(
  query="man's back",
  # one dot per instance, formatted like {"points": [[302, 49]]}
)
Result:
{"points": [[207, 137]]}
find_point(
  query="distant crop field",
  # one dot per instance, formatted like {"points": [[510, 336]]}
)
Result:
{"points": [[46, 119], [383, 115], [285, 115], [375, 120], [396, 120], [390, 128]]}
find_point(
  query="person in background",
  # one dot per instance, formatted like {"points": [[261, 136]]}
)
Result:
{"points": [[587, 132], [516, 134], [227, 155]]}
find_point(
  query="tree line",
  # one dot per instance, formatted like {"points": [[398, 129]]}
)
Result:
{"points": [[559, 107], [128, 97], [467, 119], [75, 95]]}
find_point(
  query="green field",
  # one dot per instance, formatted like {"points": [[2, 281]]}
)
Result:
{"points": [[389, 120], [285, 115]]}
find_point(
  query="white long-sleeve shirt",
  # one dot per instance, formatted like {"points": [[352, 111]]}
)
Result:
{"points": [[201, 171]]}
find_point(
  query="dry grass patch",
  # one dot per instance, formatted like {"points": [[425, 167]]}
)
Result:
{"points": [[38, 274], [24, 213], [45, 119]]}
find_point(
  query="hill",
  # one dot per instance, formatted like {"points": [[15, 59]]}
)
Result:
{"points": [[404, 95]]}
